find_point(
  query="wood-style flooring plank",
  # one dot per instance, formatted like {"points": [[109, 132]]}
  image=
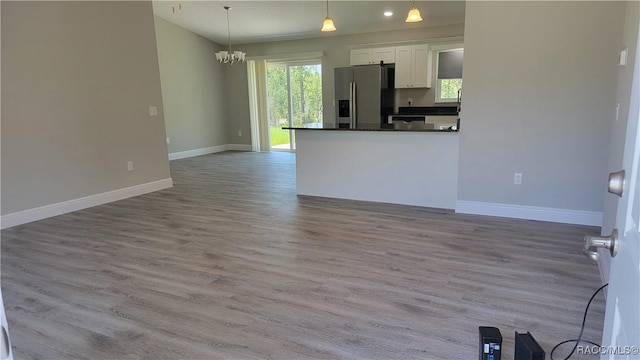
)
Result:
{"points": [[231, 264]]}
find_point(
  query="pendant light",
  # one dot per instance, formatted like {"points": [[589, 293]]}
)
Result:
{"points": [[229, 57], [327, 25], [414, 14]]}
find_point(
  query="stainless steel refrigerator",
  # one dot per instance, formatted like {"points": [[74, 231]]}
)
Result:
{"points": [[364, 95]]}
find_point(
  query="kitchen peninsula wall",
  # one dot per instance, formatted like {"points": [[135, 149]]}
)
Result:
{"points": [[336, 49]]}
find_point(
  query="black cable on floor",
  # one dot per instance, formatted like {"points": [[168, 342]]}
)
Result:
{"points": [[579, 339]]}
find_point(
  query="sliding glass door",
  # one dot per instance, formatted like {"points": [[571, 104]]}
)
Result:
{"points": [[294, 98]]}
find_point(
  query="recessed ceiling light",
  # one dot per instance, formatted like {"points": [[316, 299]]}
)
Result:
{"points": [[388, 13]]}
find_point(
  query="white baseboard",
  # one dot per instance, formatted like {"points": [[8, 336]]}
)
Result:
{"points": [[208, 150], [197, 152], [567, 216], [239, 147], [43, 212]]}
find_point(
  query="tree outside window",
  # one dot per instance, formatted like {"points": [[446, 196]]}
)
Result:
{"points": [[294, 98], [449, 76]]}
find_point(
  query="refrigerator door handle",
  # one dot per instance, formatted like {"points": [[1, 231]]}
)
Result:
{"points": [[354, 106]]}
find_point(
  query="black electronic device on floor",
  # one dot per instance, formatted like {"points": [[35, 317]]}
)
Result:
{"points": [[527, 348], [490, 343]]}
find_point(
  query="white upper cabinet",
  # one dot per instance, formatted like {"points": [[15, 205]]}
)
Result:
{"points": [[403, 67], [413, 66], [373, 56]]}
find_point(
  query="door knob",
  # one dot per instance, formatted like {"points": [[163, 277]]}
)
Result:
{"points": [[592, 243], [616, 183]]}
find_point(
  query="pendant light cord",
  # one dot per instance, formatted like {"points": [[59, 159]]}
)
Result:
{"points": [[228, 28], [230, 56], [327, 8]]}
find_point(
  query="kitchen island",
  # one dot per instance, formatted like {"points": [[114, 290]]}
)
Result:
{"points": [[416, 166]]}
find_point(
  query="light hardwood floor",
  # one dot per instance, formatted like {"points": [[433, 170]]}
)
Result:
{"points": [[231, 264]]}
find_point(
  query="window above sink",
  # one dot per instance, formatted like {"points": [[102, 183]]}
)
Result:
{"points": [[448, 59]]}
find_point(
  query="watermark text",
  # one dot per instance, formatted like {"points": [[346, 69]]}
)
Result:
{"points": [[607, 350]]}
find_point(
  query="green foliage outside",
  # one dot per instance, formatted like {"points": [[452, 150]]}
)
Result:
{"points": [[306, 98], [449, 88], [278, 136]]}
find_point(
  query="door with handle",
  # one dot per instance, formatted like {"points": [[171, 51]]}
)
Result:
{"points": [[622, 315], [5, 343], [621, 333]]}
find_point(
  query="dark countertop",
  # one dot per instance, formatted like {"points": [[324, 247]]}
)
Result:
{"points": [[406, 127], [427, 110]]}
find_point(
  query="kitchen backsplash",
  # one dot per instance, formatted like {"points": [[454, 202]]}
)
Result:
{"points": [[419, 97]]}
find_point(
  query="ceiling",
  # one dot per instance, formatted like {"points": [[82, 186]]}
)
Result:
{"points": [[262, 21]]}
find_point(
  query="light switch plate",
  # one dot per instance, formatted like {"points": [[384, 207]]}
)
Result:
{"points": [[153, 111], [623, 57]]}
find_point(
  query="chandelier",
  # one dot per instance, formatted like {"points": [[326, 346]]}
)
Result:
{"points": [[229, 57]]}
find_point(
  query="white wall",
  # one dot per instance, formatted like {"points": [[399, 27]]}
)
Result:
{"points": [[194, 89], [539, 99], [77, 82]]}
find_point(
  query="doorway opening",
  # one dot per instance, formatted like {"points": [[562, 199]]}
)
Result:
{"points": [[294, 99]]}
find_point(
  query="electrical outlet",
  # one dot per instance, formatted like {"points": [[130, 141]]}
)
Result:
{"points": [[410, 101], [239, 133], [168, 140], [153, 111], [130, 165], [517, 178]]}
